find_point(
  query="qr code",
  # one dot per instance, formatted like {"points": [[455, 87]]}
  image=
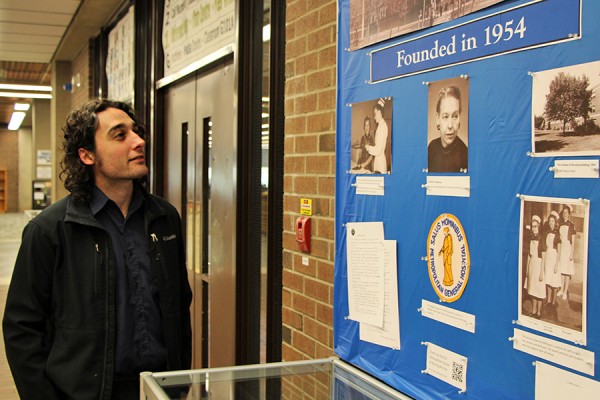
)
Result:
{"points": [[457, 371]]}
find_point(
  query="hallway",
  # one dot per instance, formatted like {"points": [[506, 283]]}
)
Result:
{"points": [[11, 226]]}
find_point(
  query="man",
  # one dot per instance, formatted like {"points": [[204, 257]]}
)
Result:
{"points": [[99, 292]]}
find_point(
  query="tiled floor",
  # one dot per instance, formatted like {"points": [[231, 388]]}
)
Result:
{"points": [[7, 386], [11, 226]]}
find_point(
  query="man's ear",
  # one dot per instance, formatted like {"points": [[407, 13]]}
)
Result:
{"points": [[86, 156]]}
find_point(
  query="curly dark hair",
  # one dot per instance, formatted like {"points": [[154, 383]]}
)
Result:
{"points": [[79, 132]]}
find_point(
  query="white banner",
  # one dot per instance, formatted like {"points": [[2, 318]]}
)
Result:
{"points": [[120, 59], [192, 29]]}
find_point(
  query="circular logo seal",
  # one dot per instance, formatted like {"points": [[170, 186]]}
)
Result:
{"points": [[448, 259]]}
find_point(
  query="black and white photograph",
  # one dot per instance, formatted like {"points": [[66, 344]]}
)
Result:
{"points": [[566, 111], [448, 125], [372, 21], [371, 137], [553, 266]]}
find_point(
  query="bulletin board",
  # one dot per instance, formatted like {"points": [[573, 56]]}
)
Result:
{"points": [[489, 315]]}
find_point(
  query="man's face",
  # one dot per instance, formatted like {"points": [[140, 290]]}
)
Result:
{"points": [[119, 154], [367, 126], [448, 120]]}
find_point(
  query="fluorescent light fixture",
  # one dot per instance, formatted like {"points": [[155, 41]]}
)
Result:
{"points": [[266, 36], [25, 95], [35, 88], [16, 120], [22, 106]]}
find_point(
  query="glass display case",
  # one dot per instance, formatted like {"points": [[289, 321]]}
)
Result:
{"points": [[329, 378]]}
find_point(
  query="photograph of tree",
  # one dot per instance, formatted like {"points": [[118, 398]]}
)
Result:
{"points": [[566, 111], [372, 21]]}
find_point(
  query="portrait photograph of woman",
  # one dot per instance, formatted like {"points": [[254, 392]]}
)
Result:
{"points": [[553, 266], [448, 125]]}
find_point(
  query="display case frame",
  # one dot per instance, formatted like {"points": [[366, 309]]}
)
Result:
{"points": [[340, 379]]}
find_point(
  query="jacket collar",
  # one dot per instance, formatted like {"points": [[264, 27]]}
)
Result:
{"points": [[99, 200], [80, 211]]}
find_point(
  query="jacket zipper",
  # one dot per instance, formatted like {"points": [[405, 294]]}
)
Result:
{"points": [[103, 382], [155, 247], [158, 267], [98, 269]]}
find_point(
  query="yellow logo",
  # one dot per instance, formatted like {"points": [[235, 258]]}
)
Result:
{"points": [[448, 260]]}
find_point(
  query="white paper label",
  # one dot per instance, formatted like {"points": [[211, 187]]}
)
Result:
{"points": [[455, 186], [447, 366], [368, 185], [560, 353], [446, 315], [575, 169], [554, 383]]}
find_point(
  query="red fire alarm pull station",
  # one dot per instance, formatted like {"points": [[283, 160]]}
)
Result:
{"points": [[303, 233]]}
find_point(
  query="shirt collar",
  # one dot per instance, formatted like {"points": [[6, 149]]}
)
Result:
{"points": [[99, 200]]}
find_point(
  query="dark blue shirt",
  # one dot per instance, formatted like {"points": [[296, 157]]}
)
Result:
{"points": [[139, 337]]}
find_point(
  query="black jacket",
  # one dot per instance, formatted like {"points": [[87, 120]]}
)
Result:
{"points": [[59, 320]]}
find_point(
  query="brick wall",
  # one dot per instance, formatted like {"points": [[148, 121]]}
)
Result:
{"points": [[309, 172], [9, 160]]}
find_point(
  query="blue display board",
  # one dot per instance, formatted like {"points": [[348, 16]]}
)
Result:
{"points": [[496, 221]]}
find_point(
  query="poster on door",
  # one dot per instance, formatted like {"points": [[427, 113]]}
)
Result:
{"points": [[120, 59], [193, 30]]}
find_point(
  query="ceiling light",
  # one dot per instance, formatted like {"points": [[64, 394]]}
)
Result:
{"points": [[25, 95], [16, 120], [35, 88], [22, 106]]}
